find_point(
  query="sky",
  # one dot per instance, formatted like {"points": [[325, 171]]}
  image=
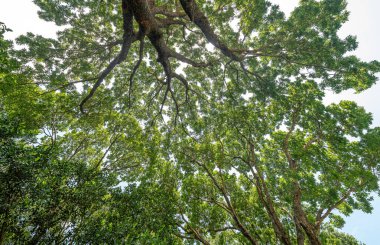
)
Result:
{"points": [[21, 16]]}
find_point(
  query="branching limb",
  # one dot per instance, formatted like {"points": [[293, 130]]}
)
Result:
{"points": [[164, 99], [128, 38], [195, 232], [185, 83], [226, 197], [265, 196], [322, 216], [196, 15], [300, 216], [99, 162]]}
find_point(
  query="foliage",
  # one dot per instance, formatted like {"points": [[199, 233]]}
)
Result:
{"points": [[223, 139]]}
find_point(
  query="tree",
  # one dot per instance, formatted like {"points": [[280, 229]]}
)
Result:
{"points": [[198, 121], [290, 161], [42, 186], [268, 49]]}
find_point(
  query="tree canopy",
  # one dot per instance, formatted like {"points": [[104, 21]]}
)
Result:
{"points": [[182, 122]]}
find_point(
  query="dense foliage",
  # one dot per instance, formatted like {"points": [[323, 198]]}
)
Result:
{"points": [[182, 122]]}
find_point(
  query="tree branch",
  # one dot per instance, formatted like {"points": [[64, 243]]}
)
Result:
{"points": [[224, 193], [128, 38], [321, 217], [196, 15]]}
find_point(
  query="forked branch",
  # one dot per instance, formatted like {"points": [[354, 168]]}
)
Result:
{"points": [[128, 38]]}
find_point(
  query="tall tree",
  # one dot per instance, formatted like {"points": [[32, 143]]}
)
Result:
{"points": [[288, 163], [247, 43], [174, 122]]}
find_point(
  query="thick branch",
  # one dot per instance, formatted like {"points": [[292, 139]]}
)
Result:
{"points": [[299, 213], [128, 38], [196, 15]]}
